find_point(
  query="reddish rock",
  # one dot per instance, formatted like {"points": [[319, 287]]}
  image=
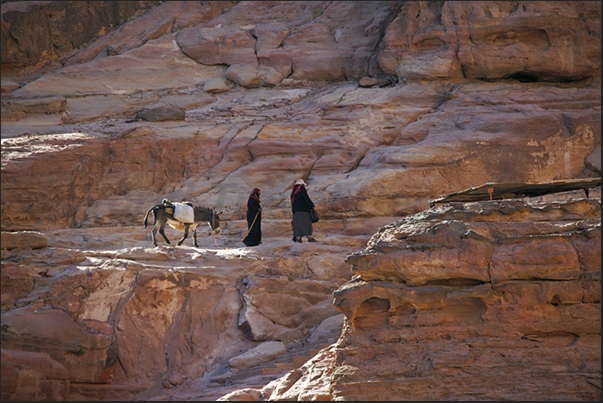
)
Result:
{"points": [[61, 28], [161, 114], [83, 354], [218, 45], [244, 75], [481, 298], [24, 239], [535, 307], [33, 376], [493, 40]]}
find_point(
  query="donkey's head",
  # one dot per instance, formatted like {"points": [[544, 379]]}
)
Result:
{"points": [[214, 223]]}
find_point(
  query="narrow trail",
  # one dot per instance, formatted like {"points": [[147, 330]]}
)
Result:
{"points": [[225, 259], [224, 381]]}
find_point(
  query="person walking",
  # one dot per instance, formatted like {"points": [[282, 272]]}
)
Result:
{"points": [[301, 205], [254, 219]]}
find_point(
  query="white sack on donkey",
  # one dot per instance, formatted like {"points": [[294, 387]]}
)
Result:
{"points": [[184, 212]]}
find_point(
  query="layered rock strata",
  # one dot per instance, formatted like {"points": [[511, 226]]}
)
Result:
{"points": [[497, 100], [379, 106], [99, 314], [483, 301]]}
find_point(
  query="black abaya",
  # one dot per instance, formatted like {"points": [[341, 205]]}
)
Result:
{"points": [[254, 237]]}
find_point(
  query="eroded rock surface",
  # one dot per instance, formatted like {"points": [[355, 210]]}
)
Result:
{"points": [[380, 107], [121, 317], [439, 332]]}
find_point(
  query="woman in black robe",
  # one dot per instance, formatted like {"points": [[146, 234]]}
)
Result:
{"points": [[301, 204], [254, 219]]}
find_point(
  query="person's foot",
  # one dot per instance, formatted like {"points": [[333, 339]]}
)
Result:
{"points": [[310, 239], [298, 239]]}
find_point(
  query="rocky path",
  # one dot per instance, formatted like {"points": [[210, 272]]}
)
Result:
{"points": [[218, 385], [223, 257]]}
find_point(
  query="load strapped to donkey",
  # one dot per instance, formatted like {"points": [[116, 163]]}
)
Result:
{"points": [[182, 217]]}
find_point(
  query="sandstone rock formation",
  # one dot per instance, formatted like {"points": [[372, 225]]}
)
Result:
{"points": [[470, 295], [380, 107], [482, 301], [61, 29], [121, 317]]}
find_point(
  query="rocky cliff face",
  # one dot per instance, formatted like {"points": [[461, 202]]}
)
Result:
{"points": [[498, 298], [380, 107], [482, 301]]}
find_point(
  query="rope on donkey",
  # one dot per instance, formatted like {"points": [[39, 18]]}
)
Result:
{"points": [[249, 230]]}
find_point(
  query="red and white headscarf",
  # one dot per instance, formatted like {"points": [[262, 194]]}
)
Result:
{"points": [[298, 184], [255, 194]]}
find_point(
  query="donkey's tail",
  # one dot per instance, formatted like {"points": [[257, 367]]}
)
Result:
{"points": [[153, 209]]}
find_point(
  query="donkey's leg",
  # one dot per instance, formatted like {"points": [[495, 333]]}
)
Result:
{"points": [[186, 226], [162, 230], [195, 236], [154, 234]]}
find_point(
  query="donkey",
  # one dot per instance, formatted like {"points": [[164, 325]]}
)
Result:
{"points": [[164, 214]]}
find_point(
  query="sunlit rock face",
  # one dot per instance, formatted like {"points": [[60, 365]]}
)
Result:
{"points": [[380, 107], [495, 300], [99, 313], [380, 150], [493, 40]]}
